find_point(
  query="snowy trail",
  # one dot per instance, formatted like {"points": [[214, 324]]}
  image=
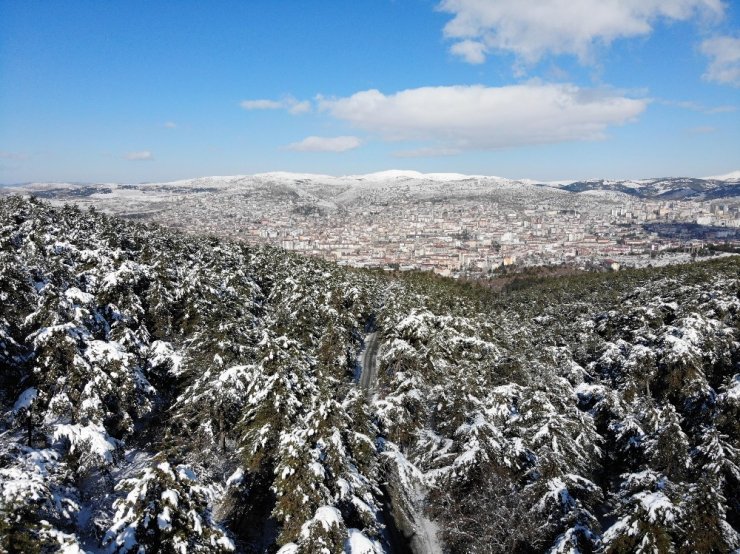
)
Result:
{"points": [[424, 539], [369, 359]]}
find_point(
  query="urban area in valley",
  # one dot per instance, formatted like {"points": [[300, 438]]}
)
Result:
{"points": [[452, 224]]}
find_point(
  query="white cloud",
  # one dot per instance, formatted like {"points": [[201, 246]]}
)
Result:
{"points": [[325, 144], [299, 107], [261, 105], [471, 51], [170, 125], [288, 103], [479, 117], [724, 60], [531, 29], [142, 155]]}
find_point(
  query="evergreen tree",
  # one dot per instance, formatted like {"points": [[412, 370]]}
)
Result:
{"points": [[165, 509]]}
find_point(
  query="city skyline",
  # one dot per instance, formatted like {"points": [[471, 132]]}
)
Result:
{"points": [[451, 224]]}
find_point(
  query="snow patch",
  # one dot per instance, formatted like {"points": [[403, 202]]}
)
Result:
{"points": [[92, 437], [358, 543], [25, 400], [235, 478], [326, 516]]}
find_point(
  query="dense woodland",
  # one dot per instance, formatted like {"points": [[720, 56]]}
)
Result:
{"points": [[171, 393]]}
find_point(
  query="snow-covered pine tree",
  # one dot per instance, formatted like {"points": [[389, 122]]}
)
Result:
{"points": [[165, 509]]}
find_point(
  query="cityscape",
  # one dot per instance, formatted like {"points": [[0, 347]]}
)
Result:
{"points": [[454, 226]]}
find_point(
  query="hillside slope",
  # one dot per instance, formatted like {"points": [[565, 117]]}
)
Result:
{"points": [[163, 393]]}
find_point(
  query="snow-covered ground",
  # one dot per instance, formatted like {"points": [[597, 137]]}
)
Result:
{"points": [[642, 261]]}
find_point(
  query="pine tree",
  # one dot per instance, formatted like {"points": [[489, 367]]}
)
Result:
{"points": [[648, 515], [166, 510], [667, 447], [325, 533]]}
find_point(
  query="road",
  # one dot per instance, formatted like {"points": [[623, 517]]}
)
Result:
{"points": [[369, 375], [421, 537]]}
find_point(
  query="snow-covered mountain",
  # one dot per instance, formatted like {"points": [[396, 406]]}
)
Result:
{"points": [[672, 188]]}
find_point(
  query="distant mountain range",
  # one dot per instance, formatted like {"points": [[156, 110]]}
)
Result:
{"points": [[664, 188], [671, 188]]}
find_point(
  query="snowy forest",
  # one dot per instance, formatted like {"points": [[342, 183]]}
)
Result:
{"points": [[161, 392]]}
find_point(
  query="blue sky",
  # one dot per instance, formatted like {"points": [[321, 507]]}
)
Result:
{"points": [[549, 89]]}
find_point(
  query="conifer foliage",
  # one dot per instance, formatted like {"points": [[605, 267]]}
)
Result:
{"points": [[166, 393]]}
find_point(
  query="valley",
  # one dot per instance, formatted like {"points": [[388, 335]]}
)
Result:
{"points": [[452, 224]]}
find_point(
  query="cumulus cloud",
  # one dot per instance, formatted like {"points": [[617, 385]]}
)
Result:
{"points": [[288, 103], [141, 155], [479, 117], [724, 60], [471, 51], [325, 144], [533, 28]]}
